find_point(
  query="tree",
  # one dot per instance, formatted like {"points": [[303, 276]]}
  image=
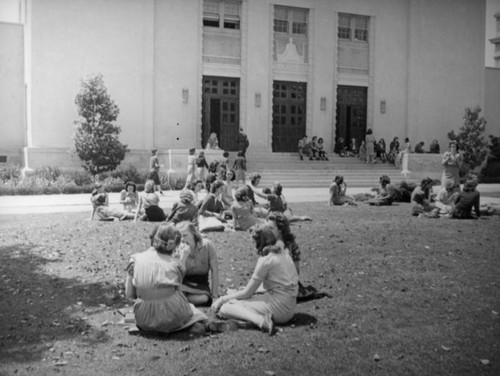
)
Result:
{"points": [[470, 140], [96, 137]]}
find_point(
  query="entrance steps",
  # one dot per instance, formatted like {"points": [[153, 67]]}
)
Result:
{"points": [[291, 172]]}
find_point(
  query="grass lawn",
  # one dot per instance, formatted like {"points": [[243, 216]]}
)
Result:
{"points": [[410, 296]]}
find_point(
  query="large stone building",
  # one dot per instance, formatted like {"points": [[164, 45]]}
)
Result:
{"points": [[279, 69]]}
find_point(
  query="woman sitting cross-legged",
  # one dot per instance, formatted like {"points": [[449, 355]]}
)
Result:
{"points": [[150, 201], [338, 195], [211, 213], [446, 197], [421, 199], [387, 193], [277, 203], [154, 278], [200, 265], [100, 205], [244, 217], [276, 271], [129, 197]]}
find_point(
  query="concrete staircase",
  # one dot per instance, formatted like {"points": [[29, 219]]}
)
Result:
{"points": [[294, 173]]}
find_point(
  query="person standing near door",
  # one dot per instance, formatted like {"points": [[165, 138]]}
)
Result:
{"points": [[370, 146], [242, 141]]}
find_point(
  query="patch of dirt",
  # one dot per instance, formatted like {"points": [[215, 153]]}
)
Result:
{"points": [[409, 296]]}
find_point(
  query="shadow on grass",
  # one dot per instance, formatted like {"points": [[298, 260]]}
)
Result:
{"points": [[39, 309], [302, 319]]}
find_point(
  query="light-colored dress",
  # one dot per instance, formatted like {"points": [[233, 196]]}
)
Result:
{"points": [[445, 200], [370, 145], [243, 215], [451, 169], [160, 306], [279, 278], [191, 166], [129, 199]]}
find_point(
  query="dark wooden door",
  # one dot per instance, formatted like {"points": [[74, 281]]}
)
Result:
{"points": [[289, 115], [351, 113], [221, 110]]}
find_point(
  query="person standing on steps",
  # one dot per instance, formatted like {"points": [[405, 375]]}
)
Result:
{"points": [[242, 141]]}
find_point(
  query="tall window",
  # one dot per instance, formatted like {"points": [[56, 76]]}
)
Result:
{"points": [[290, 26], [224, 14], [353, 28], [290, 20]]}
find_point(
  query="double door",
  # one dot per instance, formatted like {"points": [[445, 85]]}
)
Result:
{"points": [[220, 111], [289, 115]]}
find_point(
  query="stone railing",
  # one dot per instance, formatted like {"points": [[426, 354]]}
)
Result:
{"points": [[424, 165]]}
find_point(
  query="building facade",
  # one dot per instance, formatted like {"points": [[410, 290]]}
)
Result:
{"points": [[182, 69]]}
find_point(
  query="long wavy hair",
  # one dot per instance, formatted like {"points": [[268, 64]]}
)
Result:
{"points": [[265, 240]]}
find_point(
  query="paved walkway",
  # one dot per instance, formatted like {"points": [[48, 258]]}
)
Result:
{"points": [[81, 202]]}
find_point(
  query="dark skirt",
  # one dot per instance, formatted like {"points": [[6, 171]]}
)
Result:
{"points": [[155, 214]]}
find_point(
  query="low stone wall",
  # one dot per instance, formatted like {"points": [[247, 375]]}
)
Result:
{"points": [[425, 165], [173, 160]]}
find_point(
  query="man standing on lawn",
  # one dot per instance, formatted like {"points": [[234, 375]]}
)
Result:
{"points": [[154, 169]]}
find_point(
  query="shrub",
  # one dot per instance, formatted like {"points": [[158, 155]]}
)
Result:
{"points": [[470, 140], [10, 172], [128, 173], [96, 137], [80, 177], [48, 173]]}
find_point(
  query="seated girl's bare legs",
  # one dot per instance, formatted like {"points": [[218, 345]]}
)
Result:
{"points": [[233, 310]]}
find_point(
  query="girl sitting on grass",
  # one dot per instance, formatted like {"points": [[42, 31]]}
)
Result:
{"points": [[276, 271], [100, 206]]}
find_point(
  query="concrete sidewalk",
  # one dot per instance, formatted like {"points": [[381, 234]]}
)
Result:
{"points": [[81, 202]]}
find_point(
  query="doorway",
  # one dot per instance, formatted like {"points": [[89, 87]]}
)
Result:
{"points": [[351, 113], [220, 111], [289, 115]]}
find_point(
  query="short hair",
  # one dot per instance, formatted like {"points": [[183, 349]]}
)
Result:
{"points": [[130, 184], [189, 226], [240, 154], [149, 186], [470, 185], [385, 179], [264, 238], [254, 176], [154, 151], [369, 131], [339, 179], [266, 191], [225, 154], [241, 194], [163, 234], [192, 150], [216, 185], [426, 183]]}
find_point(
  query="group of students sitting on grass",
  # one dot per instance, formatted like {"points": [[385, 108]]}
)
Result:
{"points": [[224, 206], [450, 201]]}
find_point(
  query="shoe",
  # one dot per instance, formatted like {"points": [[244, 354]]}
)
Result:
{"points": [[197, 328], [268, 324], [301, 158]]}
